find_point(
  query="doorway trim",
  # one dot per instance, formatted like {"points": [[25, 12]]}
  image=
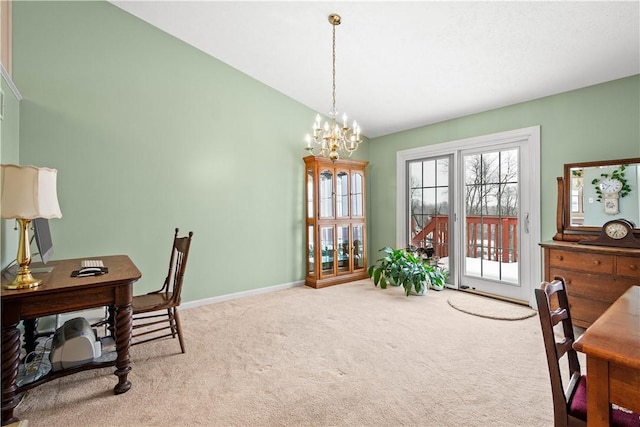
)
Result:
{"points": [[532, 137]]}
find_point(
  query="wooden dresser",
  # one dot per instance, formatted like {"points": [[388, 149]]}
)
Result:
{"points": [[595, 275]]}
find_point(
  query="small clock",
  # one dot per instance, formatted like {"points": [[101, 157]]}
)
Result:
{"points": [[610, 186], [617, 232]]}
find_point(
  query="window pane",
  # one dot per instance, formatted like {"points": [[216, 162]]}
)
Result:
{"points": [[312, 267], [343, 248], [358, 247], [429, 173], [342, 194], [327, 249], [326, 194], [357, 208], [310, 193], [415, 174]]}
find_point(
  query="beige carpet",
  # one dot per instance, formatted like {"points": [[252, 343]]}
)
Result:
{"points": [[490, 308], [347, 355]]}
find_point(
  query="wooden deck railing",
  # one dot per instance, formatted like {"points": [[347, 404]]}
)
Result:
{"points": [[490, 237]]}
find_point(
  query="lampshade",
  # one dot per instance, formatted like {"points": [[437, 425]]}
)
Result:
{"points": [[28, 192]]}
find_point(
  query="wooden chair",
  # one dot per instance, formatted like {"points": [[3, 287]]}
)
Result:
{"points": [[166, 299], [570, 404]]}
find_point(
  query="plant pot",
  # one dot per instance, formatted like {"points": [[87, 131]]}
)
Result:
{"points": [[424, 290], [438, 287]]}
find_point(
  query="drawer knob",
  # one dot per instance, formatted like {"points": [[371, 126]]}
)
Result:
{"points": [[633, 267], [597, 262], [560, 257]]}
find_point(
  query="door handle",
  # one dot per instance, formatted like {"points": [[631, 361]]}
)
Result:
{"points": [[526, 223]]}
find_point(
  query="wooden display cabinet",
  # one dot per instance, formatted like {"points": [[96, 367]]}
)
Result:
{"points": [[336, 224]]}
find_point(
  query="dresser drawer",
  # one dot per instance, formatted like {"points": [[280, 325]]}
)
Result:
{"points": [[593, 263], [629, 266], [585, 311], [604, 288], [596, 276]]}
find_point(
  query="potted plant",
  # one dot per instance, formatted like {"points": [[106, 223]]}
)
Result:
{"points": [[399, 267], [437, 276]]}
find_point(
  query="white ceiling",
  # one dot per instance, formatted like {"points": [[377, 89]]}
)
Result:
{"points": [[402, 64]]}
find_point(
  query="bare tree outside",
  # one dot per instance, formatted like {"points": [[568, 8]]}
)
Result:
{"points": [[428, 198], [491, 186], [491, 195]]}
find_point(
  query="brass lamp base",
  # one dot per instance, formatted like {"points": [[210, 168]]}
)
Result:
{"points": [[23, 280]]}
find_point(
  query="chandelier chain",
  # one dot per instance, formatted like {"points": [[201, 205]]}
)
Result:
{"points": [[334, 111]]}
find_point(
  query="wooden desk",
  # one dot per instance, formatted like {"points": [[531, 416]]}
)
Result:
{"points": [[612, 346], [60, 293]]}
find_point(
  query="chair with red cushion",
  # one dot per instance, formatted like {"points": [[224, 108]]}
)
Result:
{"points": [[570, 404]]}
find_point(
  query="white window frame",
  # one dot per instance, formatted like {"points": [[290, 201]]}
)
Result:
{"points": [[532, 274]]}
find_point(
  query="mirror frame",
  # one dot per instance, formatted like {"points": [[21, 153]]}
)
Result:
{"points": [[566, 231]]}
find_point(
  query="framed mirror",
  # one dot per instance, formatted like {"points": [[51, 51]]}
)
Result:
{"points": [[593, 193]]}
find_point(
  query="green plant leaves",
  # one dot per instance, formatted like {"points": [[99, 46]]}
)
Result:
{"points": [[401, 268], [615, 174]]}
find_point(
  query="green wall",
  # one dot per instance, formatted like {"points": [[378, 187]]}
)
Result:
{"points": [[594, 123], [9, 154], [149, 134]]}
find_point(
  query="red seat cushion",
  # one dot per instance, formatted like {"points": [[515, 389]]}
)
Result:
{"points": [[578, 408]]}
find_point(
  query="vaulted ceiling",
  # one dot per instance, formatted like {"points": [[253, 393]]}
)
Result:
{"points": [[405, 64]]}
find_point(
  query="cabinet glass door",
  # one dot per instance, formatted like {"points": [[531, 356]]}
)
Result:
{"points": [[343, 249], [342, 194], [310, 208], [357, 190], [326, 194], [311, 253], [328, 250], [358, 247]]}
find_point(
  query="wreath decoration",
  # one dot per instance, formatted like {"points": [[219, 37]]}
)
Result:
{"points": [[615, 174]]}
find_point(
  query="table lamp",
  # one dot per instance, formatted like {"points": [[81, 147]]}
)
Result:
{"points": [[27, 192]]}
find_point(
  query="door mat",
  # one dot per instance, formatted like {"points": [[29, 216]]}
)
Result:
{"points": [[490, 308]]}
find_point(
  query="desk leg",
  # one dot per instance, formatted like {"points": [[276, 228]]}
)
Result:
{"points": [[598, 406], [123, 328], [10, 364], [30, 334], [111, 320]]}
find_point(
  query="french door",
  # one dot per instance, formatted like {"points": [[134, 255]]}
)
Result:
{"points": [[493, 222], [475, 203]]}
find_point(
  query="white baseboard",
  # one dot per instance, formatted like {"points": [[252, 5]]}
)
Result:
{"points": [[51, 322], [236, 295]]}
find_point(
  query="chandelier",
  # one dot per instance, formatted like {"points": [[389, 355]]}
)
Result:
{"points": [[333, 139]]}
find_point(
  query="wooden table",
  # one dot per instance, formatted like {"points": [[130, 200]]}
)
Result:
{"points": [[612, 346], [60, 293]]}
